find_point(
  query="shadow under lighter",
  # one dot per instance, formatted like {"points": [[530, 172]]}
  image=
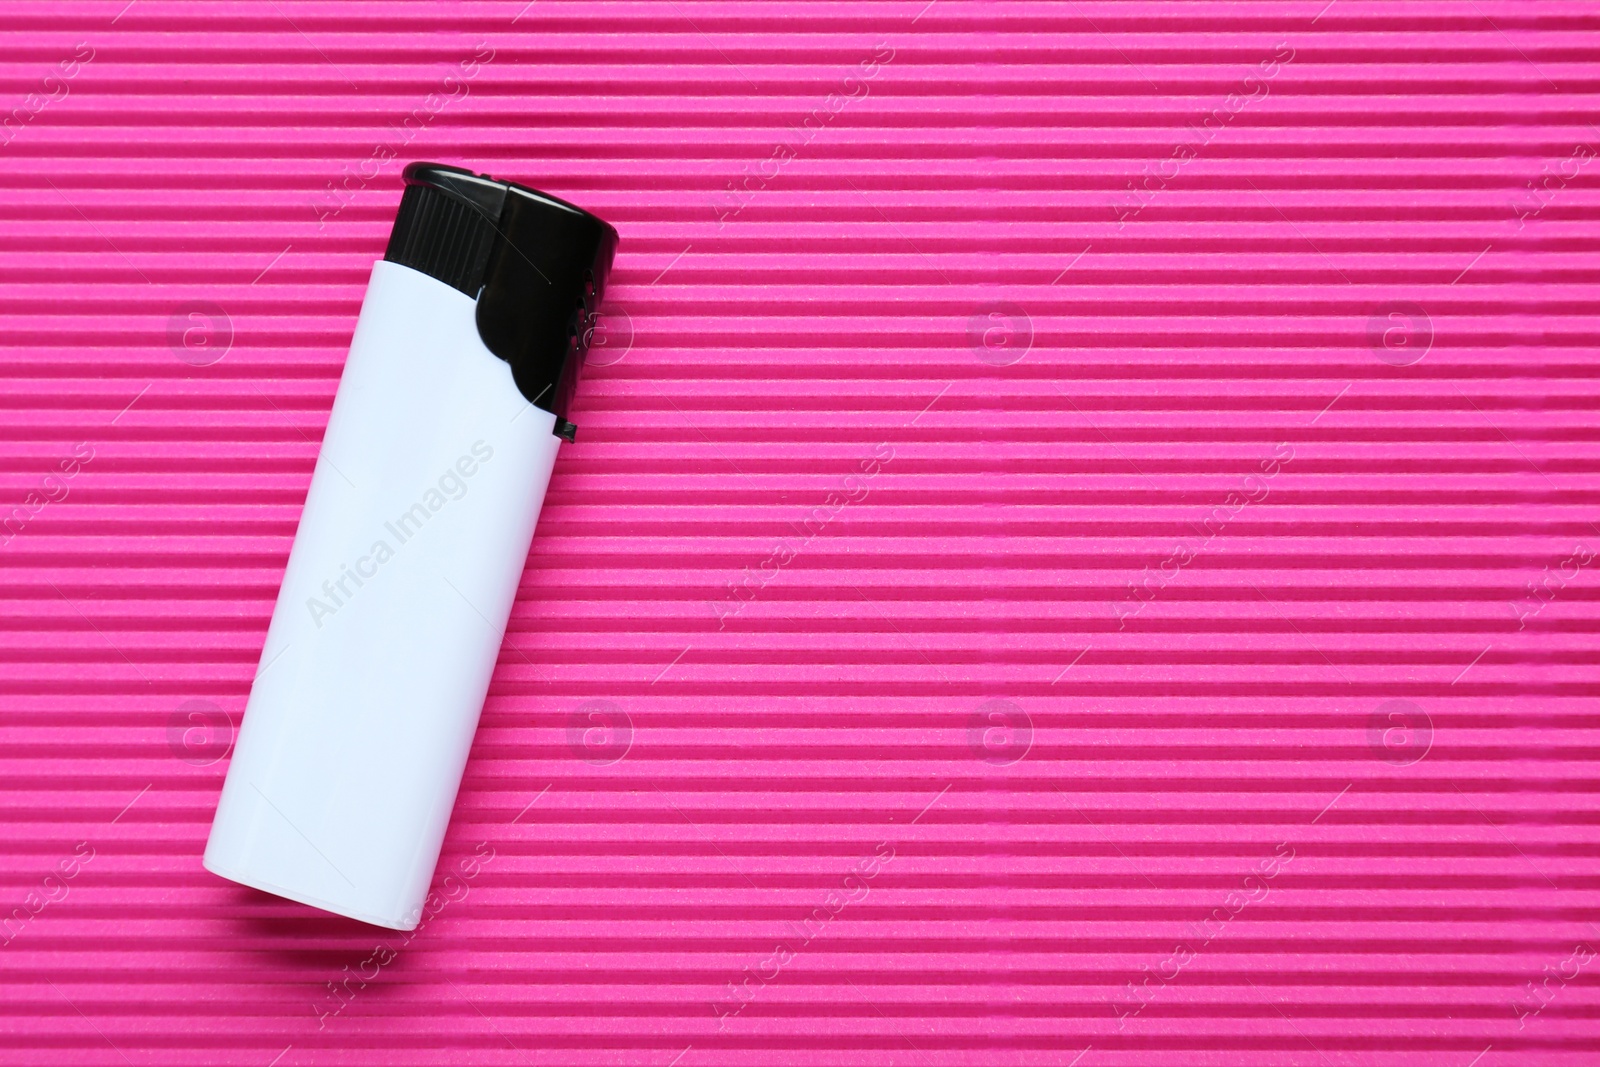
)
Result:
{"points": [[415, 532]]}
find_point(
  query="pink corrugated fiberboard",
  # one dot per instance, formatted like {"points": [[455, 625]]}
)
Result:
{"points": [[1203, 673]]}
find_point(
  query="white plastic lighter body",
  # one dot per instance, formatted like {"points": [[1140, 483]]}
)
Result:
{"points": [[391, 616]]}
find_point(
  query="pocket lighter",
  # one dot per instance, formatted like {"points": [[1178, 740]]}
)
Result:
{"points": [[416, 528]]}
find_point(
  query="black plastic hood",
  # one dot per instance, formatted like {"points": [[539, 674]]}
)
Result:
{"points": [[536, 265]]}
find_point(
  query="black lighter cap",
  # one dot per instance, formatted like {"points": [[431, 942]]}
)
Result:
{"points": [[537, 267]]}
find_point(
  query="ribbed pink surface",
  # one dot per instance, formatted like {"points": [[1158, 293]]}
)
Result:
{"points": [[1054, 283]]}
